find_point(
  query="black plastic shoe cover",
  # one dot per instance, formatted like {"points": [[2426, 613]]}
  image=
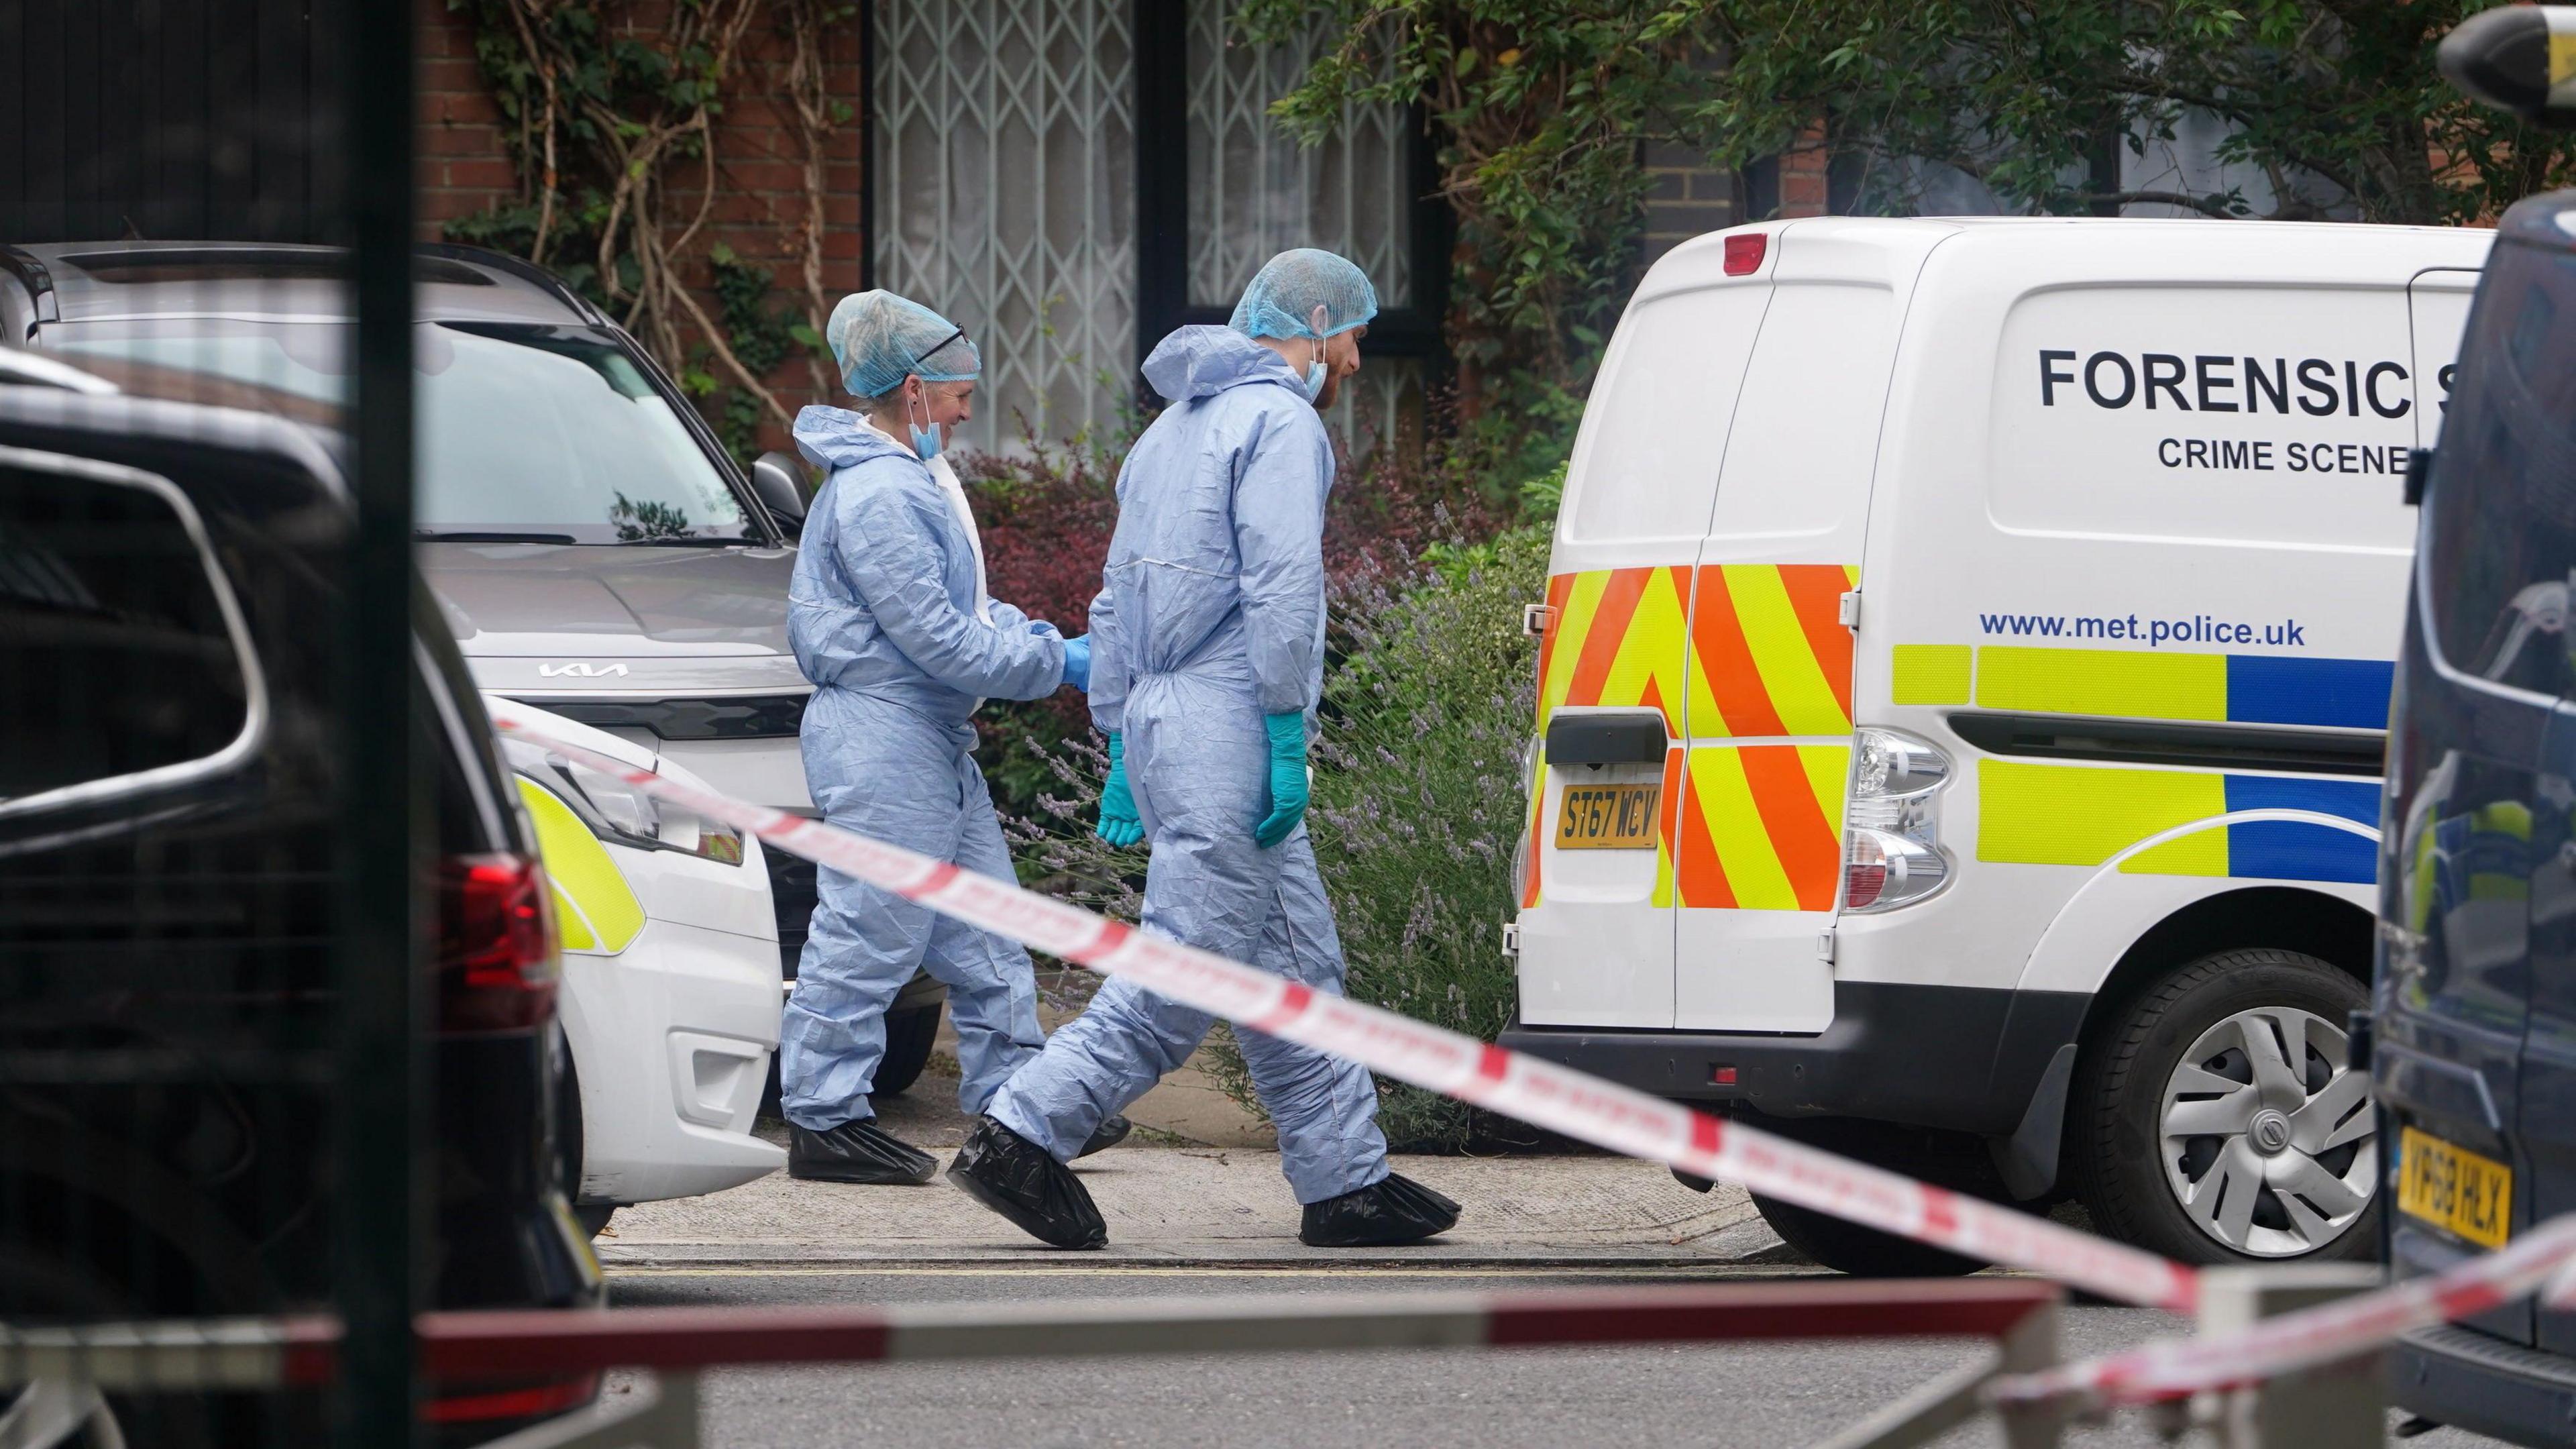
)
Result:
{"points": [[857, 1152], [1111, 1131], [1014, 1177], [1393, 1210], [1694, 1181]]}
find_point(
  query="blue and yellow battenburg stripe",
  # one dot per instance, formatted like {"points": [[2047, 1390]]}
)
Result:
{"points": [[2047, 814], [2147, 684]]}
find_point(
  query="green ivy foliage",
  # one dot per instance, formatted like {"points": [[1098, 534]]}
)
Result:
{"points": [[601, 101], [762, 335]]}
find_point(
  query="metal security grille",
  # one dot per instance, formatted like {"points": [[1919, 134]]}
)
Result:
{"points": [[1005, 197], [1254, 191]]}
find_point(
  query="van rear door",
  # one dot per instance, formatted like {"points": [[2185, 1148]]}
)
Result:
{"points": [[1759, 825], [2478, 911], [1596, 920]]}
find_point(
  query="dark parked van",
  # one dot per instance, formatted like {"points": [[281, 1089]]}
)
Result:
{"points": [[167, 981], [2474, 1013]]}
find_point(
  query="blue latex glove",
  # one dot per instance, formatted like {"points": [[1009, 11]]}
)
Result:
{"points": [[1119, 823], [1287, 777], [1077, 662]]}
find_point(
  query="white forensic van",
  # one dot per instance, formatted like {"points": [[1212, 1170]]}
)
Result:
{"points": [[1963, 689]]}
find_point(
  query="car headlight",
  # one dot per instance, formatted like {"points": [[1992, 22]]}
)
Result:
{"points": [[620, 813]]}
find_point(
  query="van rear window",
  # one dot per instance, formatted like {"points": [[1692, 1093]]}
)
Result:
{"points": [[1646, 464], [2271, 415], [2500, 526]]}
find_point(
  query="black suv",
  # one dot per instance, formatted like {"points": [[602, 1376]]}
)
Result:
{"points": [[2474, 1015], [166, 824]]}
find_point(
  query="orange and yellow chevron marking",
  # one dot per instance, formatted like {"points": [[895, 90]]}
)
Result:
{"points": [[1762, 827], [1668, 804], [1753, 651], [1616, 637], [1773, 656]]}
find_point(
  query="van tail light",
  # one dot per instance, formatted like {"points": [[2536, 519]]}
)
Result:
{"points": [[1892, 828], [497, 961], [1744, 253]]}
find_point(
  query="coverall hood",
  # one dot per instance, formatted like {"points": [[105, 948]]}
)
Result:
{"points": [[1204, 361], [837, 438]]}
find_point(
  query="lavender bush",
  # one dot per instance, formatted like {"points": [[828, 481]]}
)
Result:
{"points": [[1419, 801]]}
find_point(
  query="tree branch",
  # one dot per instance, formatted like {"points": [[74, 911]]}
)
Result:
{"points": [[2206, 205]]}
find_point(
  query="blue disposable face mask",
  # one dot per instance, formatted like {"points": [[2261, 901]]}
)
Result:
{"points": [[925, 441], [1317, 375]]}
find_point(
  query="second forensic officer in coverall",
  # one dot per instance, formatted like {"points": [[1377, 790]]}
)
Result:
{"points": [[1209, 654], [888, 617]]}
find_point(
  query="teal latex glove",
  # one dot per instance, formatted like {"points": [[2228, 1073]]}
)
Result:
{"points": [[1287, 778], [1119, 824]]}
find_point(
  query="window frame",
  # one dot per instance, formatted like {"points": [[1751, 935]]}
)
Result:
{"points": [[1160, 37], [1161, 32], [245, 745]]}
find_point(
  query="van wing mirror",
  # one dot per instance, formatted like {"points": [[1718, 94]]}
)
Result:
{"points": [[2517, 58], [779, 481]]}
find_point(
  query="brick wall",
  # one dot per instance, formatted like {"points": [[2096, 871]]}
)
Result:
{"points": [[1691, 198], [462, 168], [1805, 188], [760, 204]]}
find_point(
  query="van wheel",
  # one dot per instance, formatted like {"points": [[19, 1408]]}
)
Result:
{"points": [[1847, 1247], [2218, 1120], [909, 1036]]}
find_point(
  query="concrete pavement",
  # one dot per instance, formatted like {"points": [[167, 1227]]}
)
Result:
{"points": [[1213, 1206], [1198, 1184]]}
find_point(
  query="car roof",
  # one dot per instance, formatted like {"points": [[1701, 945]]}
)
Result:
{"points": [[131, 280]]}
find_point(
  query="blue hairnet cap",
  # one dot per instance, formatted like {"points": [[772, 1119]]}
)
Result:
{"points": [[1284, 294], [879, 338]]}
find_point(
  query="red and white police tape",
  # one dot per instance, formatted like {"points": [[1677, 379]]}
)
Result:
{"points": [[1540, 1093], [2175, 1368]]}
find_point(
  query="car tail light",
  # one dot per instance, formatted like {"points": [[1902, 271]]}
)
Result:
{"points": [[497, 961], [533, 1401], [1744, 253], [1892, 830]]}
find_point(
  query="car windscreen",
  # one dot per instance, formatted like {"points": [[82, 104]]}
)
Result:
{"points": [[527, 433]]}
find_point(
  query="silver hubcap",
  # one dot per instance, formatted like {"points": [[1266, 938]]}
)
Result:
{"points": [[2267, 1139]]}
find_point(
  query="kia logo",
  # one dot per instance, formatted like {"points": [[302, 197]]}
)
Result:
{"points": [[579, 670]]}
